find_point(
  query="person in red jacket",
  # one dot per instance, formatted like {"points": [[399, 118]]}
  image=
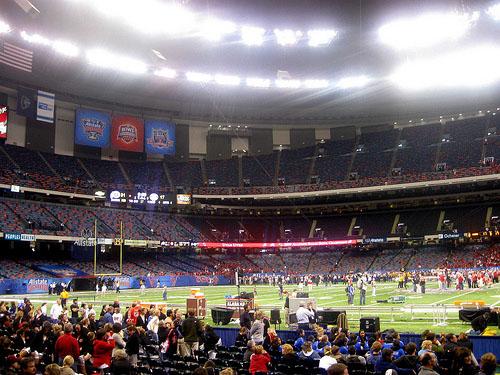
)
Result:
{"points": [[67, 345], [259, 360], [103, 348]]}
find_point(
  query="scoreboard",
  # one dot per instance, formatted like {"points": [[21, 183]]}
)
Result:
{"points": [[153, 198], [140, 197]]}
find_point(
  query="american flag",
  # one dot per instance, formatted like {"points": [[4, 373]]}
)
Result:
{"points": [[16, 57]]}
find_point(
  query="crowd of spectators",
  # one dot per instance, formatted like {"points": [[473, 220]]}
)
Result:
{"points": [[114, 339], [82, 338]]}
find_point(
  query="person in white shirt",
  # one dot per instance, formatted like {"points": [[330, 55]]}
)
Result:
{"points": [[56, 310], [103, 290], [90, 310], [117, 316], [44, 308], [327, 360], [154, 323], [303, 316]]}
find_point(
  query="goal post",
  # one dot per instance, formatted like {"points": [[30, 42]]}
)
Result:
{"points": [[117, 242]]}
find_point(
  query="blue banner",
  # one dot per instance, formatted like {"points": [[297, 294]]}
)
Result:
{"points": [[19, 237], [60, 271], [26, 103], [159, 137], [92, 128]]}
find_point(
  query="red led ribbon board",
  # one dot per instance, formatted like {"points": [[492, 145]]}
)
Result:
{"points": [[265, 245], [127, 133]]}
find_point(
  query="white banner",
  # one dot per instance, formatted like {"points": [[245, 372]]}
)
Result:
{"points": [[45, 106]]}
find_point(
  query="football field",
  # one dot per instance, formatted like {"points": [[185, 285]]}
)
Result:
{"points": [[434, 309]]}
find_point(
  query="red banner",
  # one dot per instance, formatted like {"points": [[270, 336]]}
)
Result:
{"points": [[4, 114], [276, 244], [127, 133]]}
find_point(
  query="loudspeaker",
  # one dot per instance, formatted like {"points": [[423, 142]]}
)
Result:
{"points": [[275, 317], [329, 316], [246, 295], [222, 315], [302, 295], [292, 318], [370, 324]]}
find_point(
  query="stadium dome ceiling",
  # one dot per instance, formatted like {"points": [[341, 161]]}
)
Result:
{"points": [[355, 51]]}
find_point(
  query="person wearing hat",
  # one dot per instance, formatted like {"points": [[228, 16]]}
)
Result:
{"points": [[12, 365], [327, 360]]}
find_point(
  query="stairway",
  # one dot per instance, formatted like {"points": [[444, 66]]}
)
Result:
{"points": [[394, 153], [277, 169], [49, 166], [204, 172], [169, 178], [353, 156], [90, 174], [129, 181], [313, 164]]}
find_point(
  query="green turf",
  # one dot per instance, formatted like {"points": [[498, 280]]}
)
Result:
{"points": [[331, 296]]}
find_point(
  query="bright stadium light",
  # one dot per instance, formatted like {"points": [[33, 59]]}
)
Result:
{"points": [[198, 77], [472, 67], [494, 12], [65, 48], [287, 37], [287, 83], [4, 28], [426, 30], [252, 36], [165, 73], [227, 80], [353, 82], [177, 20], [148, 16], [214, 30], [319, 38], [258, 82], [35, 39], [316, 83], [105, 59]]}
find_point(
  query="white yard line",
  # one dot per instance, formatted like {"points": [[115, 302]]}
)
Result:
{"points": [[460, 295]]}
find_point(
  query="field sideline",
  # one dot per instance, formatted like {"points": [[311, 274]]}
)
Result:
{"points": [[332, 296]]}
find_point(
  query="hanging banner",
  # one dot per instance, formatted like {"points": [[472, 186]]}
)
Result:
{"points": [[160, 137], [45, 106], [92, 128], [4, 118], [26, 103], [127, 133]]}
